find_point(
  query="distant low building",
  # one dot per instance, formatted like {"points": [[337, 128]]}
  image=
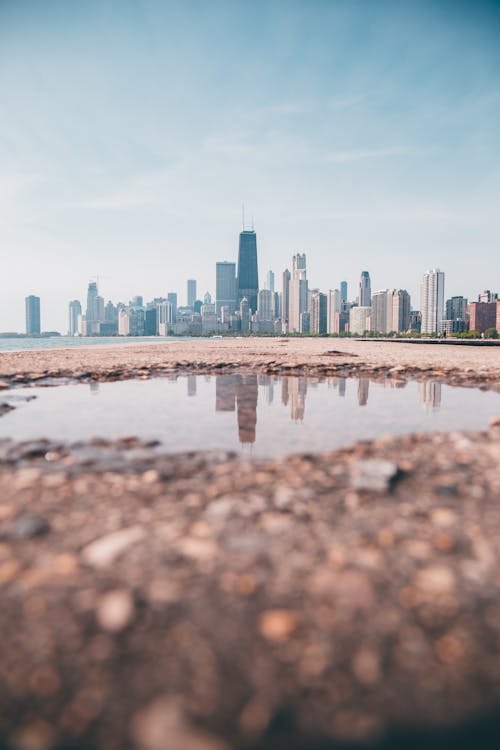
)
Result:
{"points": [[482, 315]]}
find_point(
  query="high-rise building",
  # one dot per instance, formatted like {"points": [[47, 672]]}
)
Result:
{"points": [[208, 318], [285, 301], [95, 309], [365, 292], [225, 286], [32, 315], [172, 298], [111, 313], [343, 291], [333, 311], [270, 281], [124, 321], [150, 320], [319, 313], [432, 300], [482, 315], [456, 308], [191, 292], [359, 319], [75, 310], [164, 317], [244, 315], [265, 307], [381, 316], [298, 302], [401, 310], [248, 274]]}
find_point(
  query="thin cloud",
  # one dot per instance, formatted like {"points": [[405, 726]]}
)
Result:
{"points": [[360, 154]]}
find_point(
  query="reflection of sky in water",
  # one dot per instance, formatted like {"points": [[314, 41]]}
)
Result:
{"points": [[267, 415]]}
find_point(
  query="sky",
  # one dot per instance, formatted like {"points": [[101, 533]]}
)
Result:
{"points": [[365, 134]]}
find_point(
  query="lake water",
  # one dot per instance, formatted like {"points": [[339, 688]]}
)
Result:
{"points": [[60, 342], [261, 415]]}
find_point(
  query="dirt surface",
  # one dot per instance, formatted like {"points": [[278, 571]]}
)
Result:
{"points": [[461, 364], [197, 601], [200, 602]]}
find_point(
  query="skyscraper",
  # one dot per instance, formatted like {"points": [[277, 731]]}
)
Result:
{"points": [[401, 310], [95, 309], [191, 292], [333, 311], [32, 315], [432, 300], [343, 291], [456, 308], [365, 292], [225, 286], [285, 301], [248, 274], [381, 315], [75, 310], [270, 281], [244, 315], [298, 292], [172, 297], [265, 308], [319, 313], [359, 320]]}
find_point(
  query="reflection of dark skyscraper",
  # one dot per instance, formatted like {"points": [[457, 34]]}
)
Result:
{"points": [[246, 398], [285, 395], [248, 275], [191, 381], [363, 388], [225, 392], [298, 391], [342, 386]]}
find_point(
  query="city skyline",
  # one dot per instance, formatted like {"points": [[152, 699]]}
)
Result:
{"points": [[337, 152]]}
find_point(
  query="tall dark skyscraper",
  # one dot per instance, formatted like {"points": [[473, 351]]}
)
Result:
{"points": [[32, 315], [248, 274], [343, 291], [365, 290]]}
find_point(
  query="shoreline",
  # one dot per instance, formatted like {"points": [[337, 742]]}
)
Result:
{"points": [[478, 366]]}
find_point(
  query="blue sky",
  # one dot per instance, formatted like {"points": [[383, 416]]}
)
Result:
{"points": [[366, 134]]}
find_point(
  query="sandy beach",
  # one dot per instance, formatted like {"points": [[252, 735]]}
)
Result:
{"points": [[314, 356]]}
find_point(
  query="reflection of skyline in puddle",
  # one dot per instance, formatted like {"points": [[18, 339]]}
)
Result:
{"points": [[265, 415], [240, 393]]}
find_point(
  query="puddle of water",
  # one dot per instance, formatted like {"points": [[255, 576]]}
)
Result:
{"points": [[266, 416]]}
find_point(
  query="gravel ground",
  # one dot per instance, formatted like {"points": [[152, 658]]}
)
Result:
{"points": [[197, 601], [200, 602], [461, 364]]}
